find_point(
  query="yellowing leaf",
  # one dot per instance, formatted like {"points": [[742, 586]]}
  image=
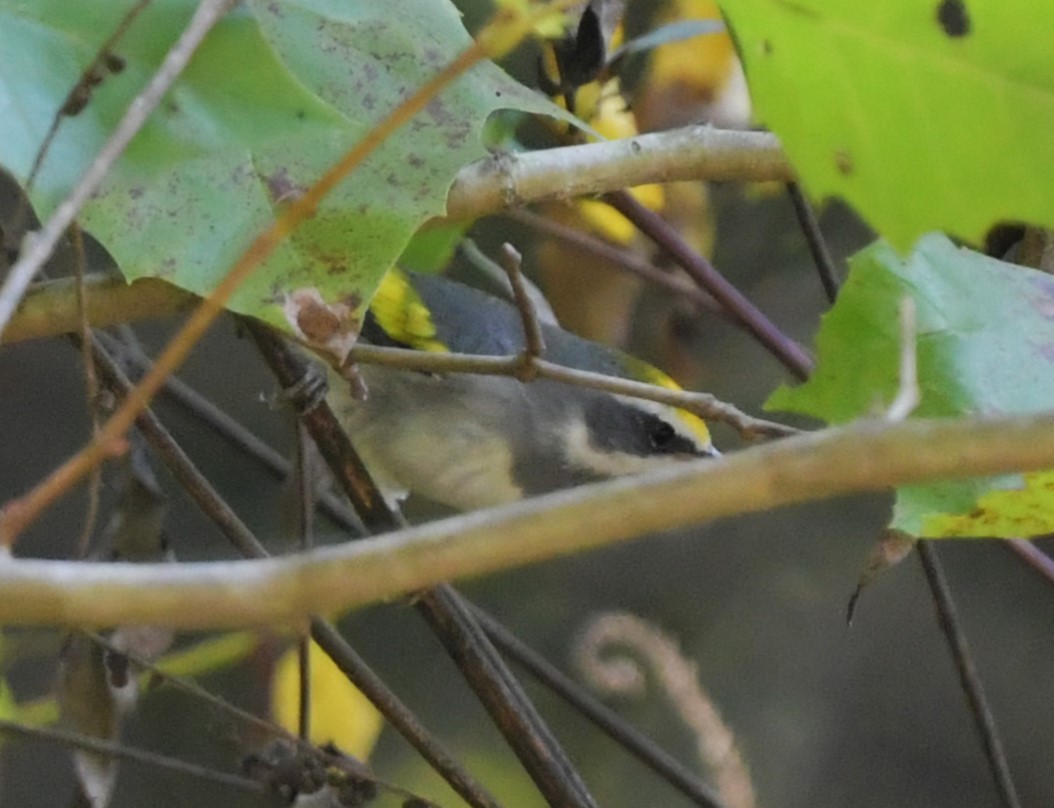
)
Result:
{"points": [[339, 712], [1027, 511], [984, 328]]}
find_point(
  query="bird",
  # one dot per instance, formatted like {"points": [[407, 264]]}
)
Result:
{"points": [[471, 441]]}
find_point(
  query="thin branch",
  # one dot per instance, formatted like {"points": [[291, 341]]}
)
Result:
{"points": [[441, 606], [79, 96], [135, 363], [328, 638], [810, 227], [400, 716], [541, 754], [969, 679], [20, 513], [608, 721], [692, 153], [702, 404], [1033, 556], [294, 374], [908, 393], [305, 505], [191, 688], [89, 744], [616, 256], [54, 295], [534, 342], [207, 14], [91, 385], [702, 272], [867, 456]]}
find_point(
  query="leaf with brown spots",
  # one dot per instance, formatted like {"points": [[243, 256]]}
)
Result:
{"points": [[985, 345], [278, 92], [923, 114]]}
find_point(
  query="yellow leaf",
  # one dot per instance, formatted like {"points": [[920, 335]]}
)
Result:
{"points": [[1013, 513], [339, 712]]}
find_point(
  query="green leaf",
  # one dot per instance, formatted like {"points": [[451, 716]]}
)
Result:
{"points": [[433, 246], [984, 335], [278, 92], [922, 117]]}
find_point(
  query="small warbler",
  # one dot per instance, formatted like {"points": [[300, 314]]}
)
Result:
{"points": [[472, 441]]}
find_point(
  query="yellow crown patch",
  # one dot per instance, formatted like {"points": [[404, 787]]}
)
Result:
{"points": [[399, 310]]}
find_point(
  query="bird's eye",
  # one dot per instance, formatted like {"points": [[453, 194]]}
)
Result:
{"points": [[661, 434]]}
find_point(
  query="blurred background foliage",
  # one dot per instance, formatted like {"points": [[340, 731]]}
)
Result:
{"points": [[824, 713]]}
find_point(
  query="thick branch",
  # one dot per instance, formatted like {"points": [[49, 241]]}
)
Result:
{"points": [[866, 457], [487, 186], [690, 153]]}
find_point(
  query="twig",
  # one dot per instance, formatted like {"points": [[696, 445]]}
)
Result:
{"points": [[495, 275], [134, 363], [534, 342], [117, 750], [969, 679], [866, 456], [191, 688], [624, 259], [91, 385], [700, 270], [207, 14], [608, 721], [52, 296], [810, 226], [305, 506], [441, 606], [353, 666], [908, 394], [692, 153], [400, 716], [703, 404], [1033, 556], [503, 697], [20, 513], [82, 90]]}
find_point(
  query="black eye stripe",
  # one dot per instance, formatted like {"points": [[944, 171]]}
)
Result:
{"points": [[615, 426], [661, 434], [663, 438]]}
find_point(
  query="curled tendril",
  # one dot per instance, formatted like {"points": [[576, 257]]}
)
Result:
{"points": [[645, 649]]}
